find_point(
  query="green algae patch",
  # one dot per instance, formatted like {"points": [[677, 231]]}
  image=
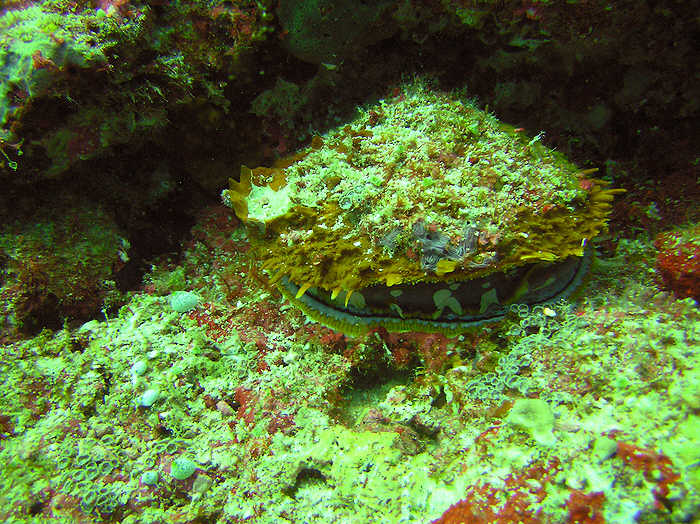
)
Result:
{"points": [[684, 448], [536, 417], [33, 44], [72, 417], [280, 416], [182, 468], [338, 464], [60, 265]]}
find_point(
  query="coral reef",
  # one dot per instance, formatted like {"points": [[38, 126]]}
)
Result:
{"points": [[109, 93], [83, 80], [255, 414], [150, 371]]}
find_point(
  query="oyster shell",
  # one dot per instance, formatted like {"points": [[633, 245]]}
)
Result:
{"points": [[424, 213]]}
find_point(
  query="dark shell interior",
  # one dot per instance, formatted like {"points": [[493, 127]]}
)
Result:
{"points": [[464, 302]]}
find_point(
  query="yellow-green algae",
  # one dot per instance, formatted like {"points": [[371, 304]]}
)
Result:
{"points": [[422, 187], [76, 445]]}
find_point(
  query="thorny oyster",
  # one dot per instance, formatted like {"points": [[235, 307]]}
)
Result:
{"points": [[425, 213]]}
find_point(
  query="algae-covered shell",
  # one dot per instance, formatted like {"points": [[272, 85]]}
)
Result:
{"points": [[423, 212]]}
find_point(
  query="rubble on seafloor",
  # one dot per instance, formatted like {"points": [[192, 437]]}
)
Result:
{"points": [[207, 396]]}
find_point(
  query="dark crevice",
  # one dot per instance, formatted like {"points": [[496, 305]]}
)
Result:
{"points": [[305, 477]]}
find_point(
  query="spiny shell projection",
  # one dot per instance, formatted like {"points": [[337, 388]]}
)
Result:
{"points": [[424, 213]]}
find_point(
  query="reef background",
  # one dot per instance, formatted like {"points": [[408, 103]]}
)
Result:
{"points": [[150, 375]]}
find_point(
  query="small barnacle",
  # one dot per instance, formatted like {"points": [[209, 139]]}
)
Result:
{"points": [[429, 261], [418, 229], [388, 241], [466, 246], [434, 248]]}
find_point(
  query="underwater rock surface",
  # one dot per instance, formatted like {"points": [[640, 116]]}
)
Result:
{"points": [[239, 410]]}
